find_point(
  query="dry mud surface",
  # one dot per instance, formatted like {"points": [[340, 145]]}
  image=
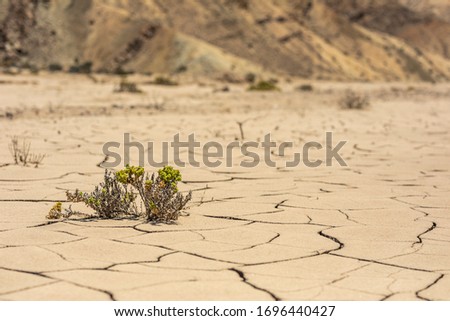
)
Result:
{"points": [[378, 229]]}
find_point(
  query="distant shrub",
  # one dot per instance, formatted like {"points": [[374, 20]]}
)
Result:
{"points": [[84, 68], [55, 67], [305, 87], [250, 77], [131, 193], [126, 86], [181, 69], [263, 85], [354, 100], [163, 81]]}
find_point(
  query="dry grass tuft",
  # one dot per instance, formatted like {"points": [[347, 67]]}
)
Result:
{"points": [[20, 151], [164, 81], [354, 100], [126, 86]]}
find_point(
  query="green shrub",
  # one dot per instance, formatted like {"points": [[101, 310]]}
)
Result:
{"points": [[263, 85], [305, 87], [55, 67], [163, 81], [250, 77], [181, 69], [55, 212], [132, 193], [84, 68], [109, 199]]}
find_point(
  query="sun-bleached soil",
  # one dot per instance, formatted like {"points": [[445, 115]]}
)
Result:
{"points": [[377, 229]]}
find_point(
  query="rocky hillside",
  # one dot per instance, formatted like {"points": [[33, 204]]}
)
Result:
{"points": [[318, 39]]}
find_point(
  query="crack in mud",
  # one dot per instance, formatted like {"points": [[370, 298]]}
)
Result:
{"points": [[245, 280], [418, 293]]}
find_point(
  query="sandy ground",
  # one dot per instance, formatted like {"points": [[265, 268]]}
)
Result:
{"points": [[378, 229]]}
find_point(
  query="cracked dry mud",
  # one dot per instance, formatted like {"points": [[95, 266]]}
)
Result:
{"points": [[378, 229]]}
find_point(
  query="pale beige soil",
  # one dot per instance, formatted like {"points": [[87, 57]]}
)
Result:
{"points": [[377, 229]]}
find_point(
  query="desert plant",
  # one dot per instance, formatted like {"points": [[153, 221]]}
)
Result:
{"points": [[56, 211], [126, 86], [109, 199], [83, 68], [55, 67], [159, 194], [354, 100], [159, 199], [263, 85], [250, 77], [163, 81], [20, 151], [181, 69], [305, 87]]}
